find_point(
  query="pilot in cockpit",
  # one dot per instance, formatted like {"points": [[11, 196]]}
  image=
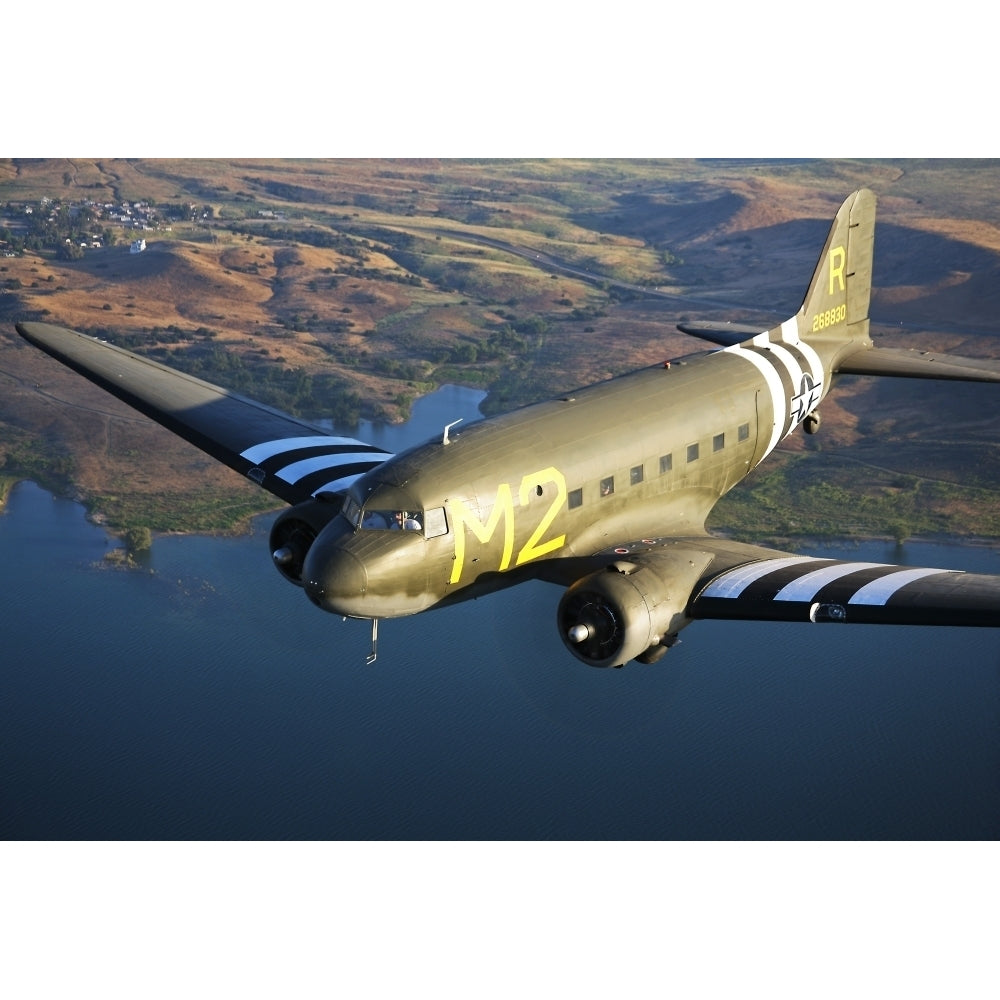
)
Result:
{"points": [[399, 520], [405, 521]]}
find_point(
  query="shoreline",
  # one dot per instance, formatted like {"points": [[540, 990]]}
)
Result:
{"points": [[245, 528]]}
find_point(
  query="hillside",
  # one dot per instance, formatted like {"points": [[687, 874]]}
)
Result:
{"points": [[348, 288]]}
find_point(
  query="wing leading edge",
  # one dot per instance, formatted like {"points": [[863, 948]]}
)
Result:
{"points": [[754, 583], [785, 587], [290, 458]]}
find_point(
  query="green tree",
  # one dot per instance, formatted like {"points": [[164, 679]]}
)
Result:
{"points": [[138, 539], [70, 251]]}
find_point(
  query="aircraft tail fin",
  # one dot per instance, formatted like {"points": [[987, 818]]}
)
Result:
{"points": [[834, 312], [832, 324], [833, 319]]}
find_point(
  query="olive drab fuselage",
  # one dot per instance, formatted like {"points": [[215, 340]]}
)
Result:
{"points": [[564, 478], [646, 453]]}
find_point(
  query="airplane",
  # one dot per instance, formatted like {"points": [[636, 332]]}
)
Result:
{"points": [[603, 491]]}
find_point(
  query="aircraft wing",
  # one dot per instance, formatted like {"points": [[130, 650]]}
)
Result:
{"points": [[735, 581], [290, 458], [801, 588]]}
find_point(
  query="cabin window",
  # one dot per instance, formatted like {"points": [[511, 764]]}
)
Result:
{"points": [[635, 475], [666, 463], [692, 452], [607, 486], [575, 498], [435, 522], [718, 442], [744, 432]]}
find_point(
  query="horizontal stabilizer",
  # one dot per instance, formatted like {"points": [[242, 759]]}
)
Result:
{"points": [[724, 334], [919, 364]]}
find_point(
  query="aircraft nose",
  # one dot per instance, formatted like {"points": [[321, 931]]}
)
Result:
{"points": [[336, 581]]}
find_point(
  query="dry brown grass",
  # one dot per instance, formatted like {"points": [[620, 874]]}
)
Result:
{"points": [[738, 227]]}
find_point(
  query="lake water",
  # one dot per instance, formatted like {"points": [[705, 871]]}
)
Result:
{"points": [[206, 698]]}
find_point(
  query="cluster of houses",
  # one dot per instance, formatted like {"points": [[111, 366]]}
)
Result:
{"points": [[130, 216], [138, 215]]}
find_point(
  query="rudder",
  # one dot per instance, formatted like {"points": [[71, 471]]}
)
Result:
{"points": [[835, 307]]}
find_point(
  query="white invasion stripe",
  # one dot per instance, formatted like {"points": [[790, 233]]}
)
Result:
{"points": [[879, 591], [795, 373], [779, 402], [336, 485], [733, 583], [299, 470], [790, 335], [805, 588], [790, 331], [268, 449], [788, 359]]}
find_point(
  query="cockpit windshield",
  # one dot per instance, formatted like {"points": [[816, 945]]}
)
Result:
{"points": [[385, 520], [431, 523], [400, 520]]}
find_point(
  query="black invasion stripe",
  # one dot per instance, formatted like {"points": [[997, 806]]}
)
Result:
{"points": [[731, 583], [277, 462], [843, 590], [768, 586], [800, 358], [317, 480], [919, 581], [789, 387], [808, 585]]}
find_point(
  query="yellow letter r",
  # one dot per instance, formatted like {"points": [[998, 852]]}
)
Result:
{"points": [[837, 261]]}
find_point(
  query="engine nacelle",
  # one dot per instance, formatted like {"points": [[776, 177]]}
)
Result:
{"points": [[623, 612], [294, 531]]}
